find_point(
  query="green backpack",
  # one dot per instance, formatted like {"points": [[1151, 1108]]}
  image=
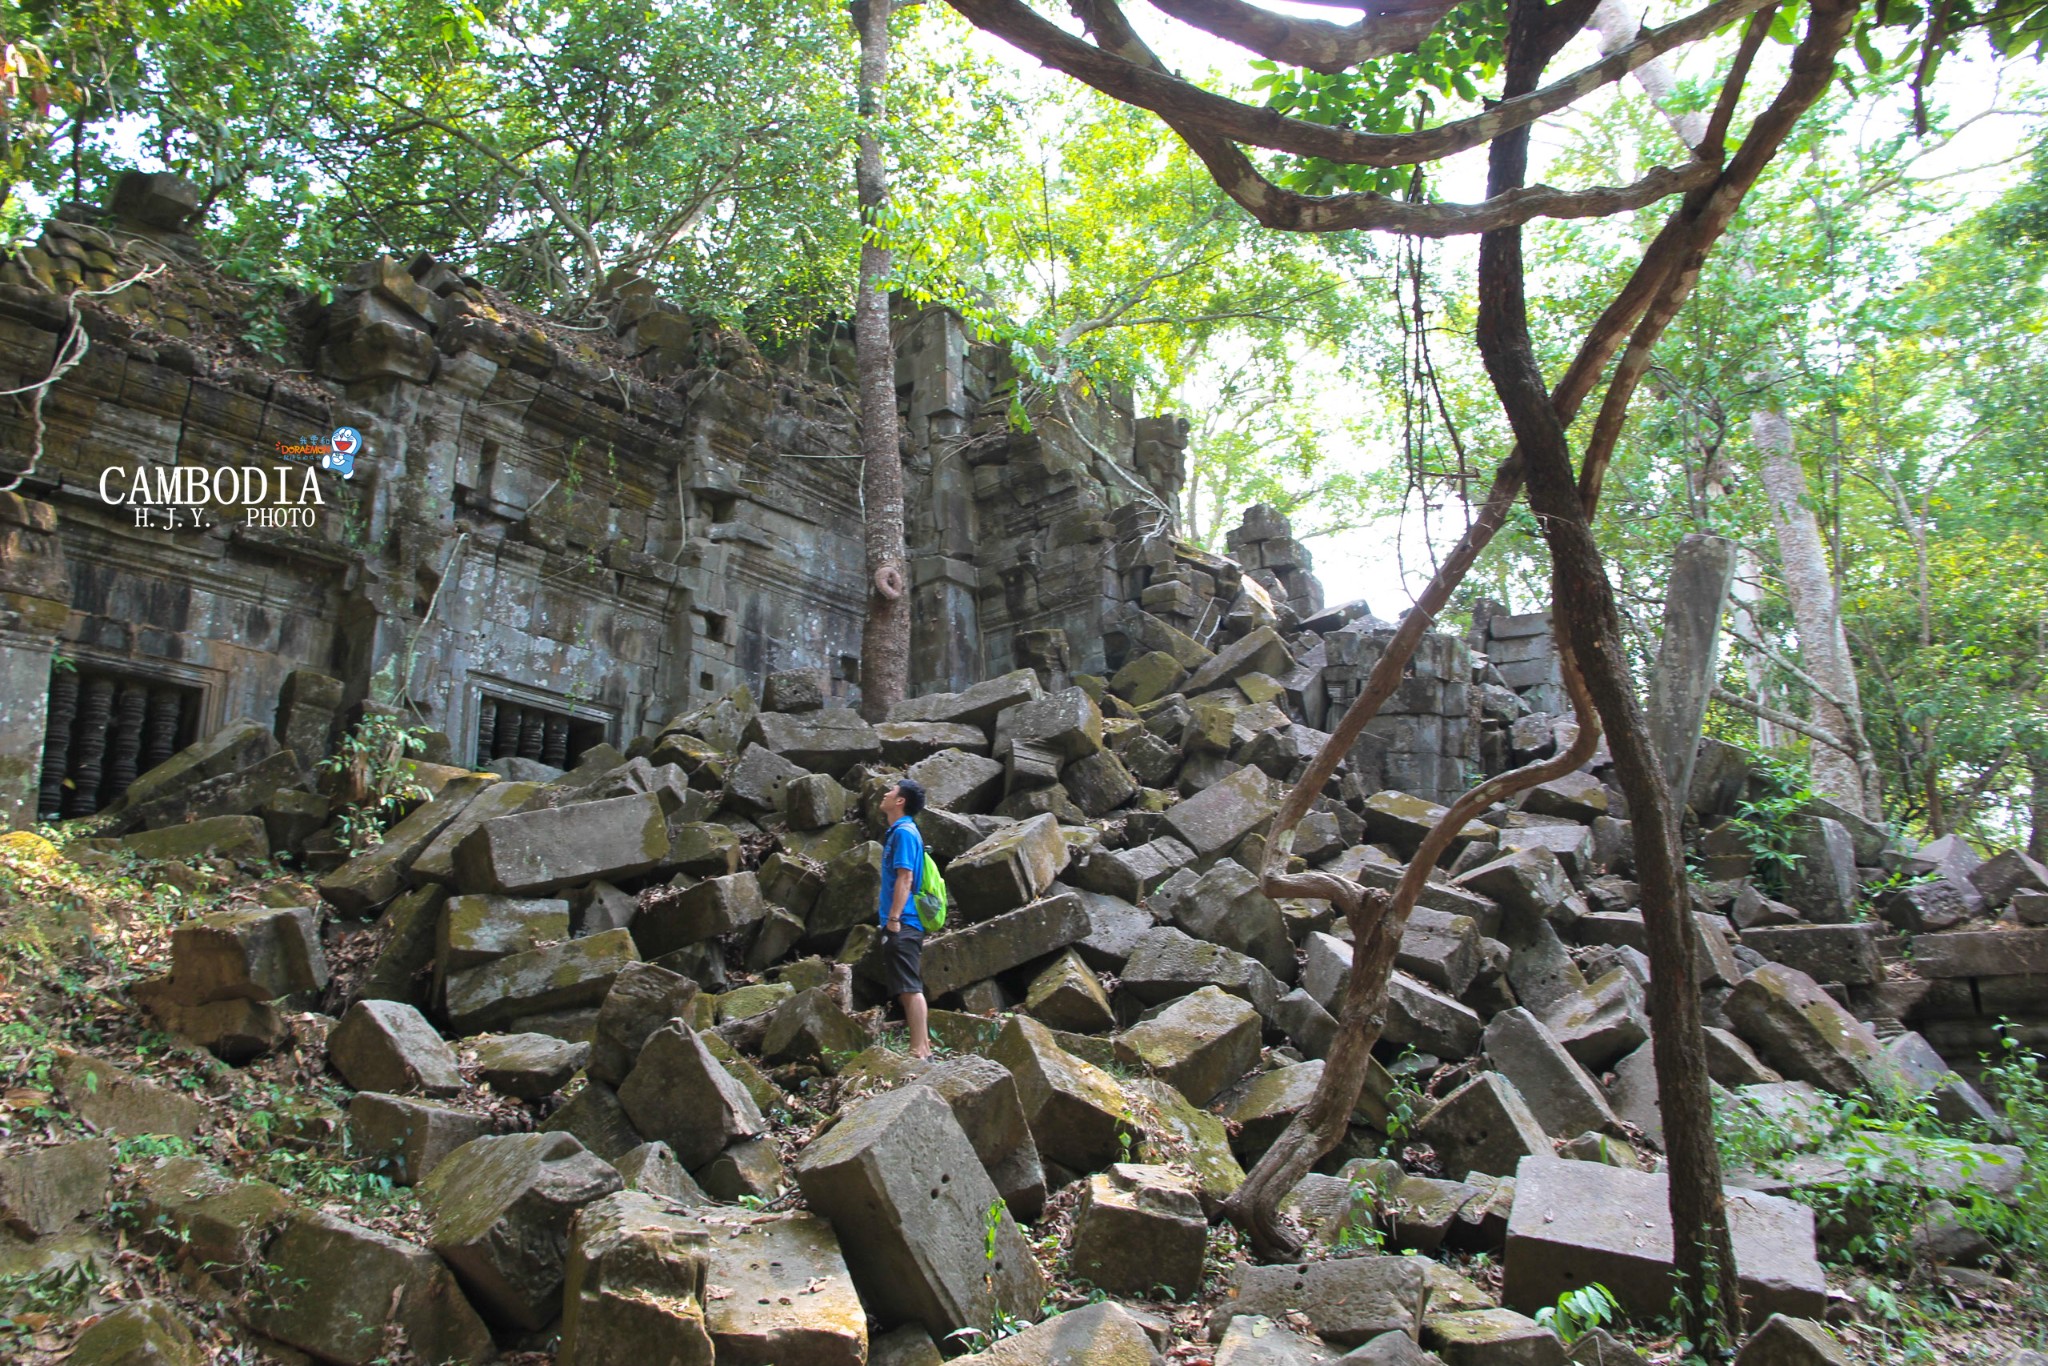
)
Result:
{"points": [[931, 897]]}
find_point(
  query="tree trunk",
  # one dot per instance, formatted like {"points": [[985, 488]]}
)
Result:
{"points": [[1587, 619], [885, 635], [2037, 806], [1815, 611]]}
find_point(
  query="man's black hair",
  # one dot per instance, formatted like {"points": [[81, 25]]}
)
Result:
{"points": [[912, 792]]}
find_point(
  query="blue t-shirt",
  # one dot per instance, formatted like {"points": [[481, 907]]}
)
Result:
{"points": [[905, 849]]}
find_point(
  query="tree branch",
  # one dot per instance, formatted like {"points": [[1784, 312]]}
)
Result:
{"points": [[1313, 43]]}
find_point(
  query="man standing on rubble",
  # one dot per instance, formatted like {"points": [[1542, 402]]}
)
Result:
{"points": [[902, 931]]}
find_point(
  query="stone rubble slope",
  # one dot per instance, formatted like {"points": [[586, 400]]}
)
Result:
{"points": [[665, 962]]}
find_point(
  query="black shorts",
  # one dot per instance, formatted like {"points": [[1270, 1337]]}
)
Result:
{"points": [[902, 960]]}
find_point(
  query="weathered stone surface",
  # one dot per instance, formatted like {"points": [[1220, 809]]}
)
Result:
{"points": [[369, 1282], [118, 1102], [1261, 1106], [1165, 964], [1528, 884], [702, 849], [1827, 953], [1421, 1016], [1067, 995], [1006, 870], [1576, 796], [1924, 907], [1066, 724], [977, 706], [1254, 1340], [373, 877], [1565, 1099], [437, 859], [812, 1027], [642, 999], [1225, 812], [1732, 1062], [681, 1095], [1579, 1222], [1099, 783], [1176, 1132], [1982, 953], [1784, 1341], [1139, 1227], [634, 1280], [1571, 842], [44, 1189], [955, 780], [498, 1211], [1131, 874], [653, 1169], [529, 1066], [1075, 1110], [256, 955], [1103, 1334], [1440, 949], [1484, 1126], [1822, 881], [957, 958], [476, 929], [830, 741], [1403, 819], [1920, 1071], [917, 1256], [1303, 1020], [1999, 876], [1392, 1349], [141, 1333], [1200, 1044], [1800, 1030], [1261, 651], [559, 977], [906, 742], [1492, 1337], [984, 1098], [213, 1224], [594, 1115], [671, 918], [1226, 906], [1347, 1300], [749, 1169], [389, 1046], [1601, 1023], [1147, 678], [787, 1298], [542, 851], [410, 1136]]}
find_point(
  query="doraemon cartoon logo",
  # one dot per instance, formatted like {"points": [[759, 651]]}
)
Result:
{"points": [[342, 448]]}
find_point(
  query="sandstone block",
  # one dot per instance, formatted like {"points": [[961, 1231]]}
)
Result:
{"points": [[1347, 1301], [1165, 964], [1798, 1029], [1484, 1126], [915, 1256], [498, 1212], [1222, 814], [368, 1281], [1563, 1096], [256, 955], [374, 877], [476, 929], [528, 1066], [812, 1027], [1784, 1341], [1009, 868], [955, 780], [1067, 995], [1075, 1110], [634, 1279], [560, 977], [906, 742], [789, 1300], [1827, 953], [642, 999], [958, 958], [681, 1095], [1226, 906], [830, 741], [1579, 1222], [985, 1100], [389, 1046], [1199, 1044], [43, 1189], [542, 851], [412, 1136], [1104, 1334], [1138, 1227]]}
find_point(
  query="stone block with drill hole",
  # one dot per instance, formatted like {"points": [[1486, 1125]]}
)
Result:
{"points": [[681, 1095], [1200, 1044], [1575, 1223], [1078, 1117], [1347, 1300], [498, 1212], [912, 1205], [1138, 1228], [389, 1046], [1483, 1126]]}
